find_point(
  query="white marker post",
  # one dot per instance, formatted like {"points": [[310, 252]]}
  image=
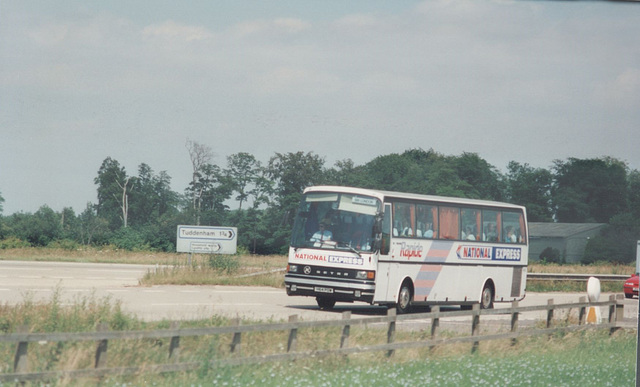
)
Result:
{"points": [[593, 291]]}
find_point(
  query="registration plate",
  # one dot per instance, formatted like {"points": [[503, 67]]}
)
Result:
{"points": [[319, 289]]}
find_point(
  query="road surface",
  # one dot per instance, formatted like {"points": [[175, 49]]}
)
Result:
{"points": [[120, 282]]}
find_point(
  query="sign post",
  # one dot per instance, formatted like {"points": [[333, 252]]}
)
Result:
{"points": [[207, 240]]}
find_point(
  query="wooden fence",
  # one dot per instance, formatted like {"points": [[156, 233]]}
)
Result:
{"points": [[174, 334]]}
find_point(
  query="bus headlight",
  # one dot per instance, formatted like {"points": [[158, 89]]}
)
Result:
{"points": [[292, 268], [363, 274]]}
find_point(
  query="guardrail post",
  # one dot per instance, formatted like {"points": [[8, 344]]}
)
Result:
{"points": [[293, 334], [435, 325], [514, 320], [346, 329], [174, 346], [236, 342], [391, 331], [101, 350], [583, 310], [20, 361], [475, 326]]}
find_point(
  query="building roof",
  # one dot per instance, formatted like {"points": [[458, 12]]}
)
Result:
{"points": [[560, 230]]}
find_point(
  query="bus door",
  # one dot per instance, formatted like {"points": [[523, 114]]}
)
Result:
{"points": [[384, 258]]}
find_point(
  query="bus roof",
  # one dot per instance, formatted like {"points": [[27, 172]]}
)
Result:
{"points": [[410, 196]]}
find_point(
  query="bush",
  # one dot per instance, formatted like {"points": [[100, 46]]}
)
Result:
{"points": [[129, 239], [224, 263], [551, 255], [65, 244], [13, 243]]}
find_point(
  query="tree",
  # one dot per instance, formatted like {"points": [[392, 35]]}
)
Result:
{"points": [[242, 171], [531, 188], [151, 196], [91, 225], [200, 156], [634, 193], [291, 173], [616, 243], [346, 173], [212, 189], [1, 203], [590, 190], [112, 182], [483, 181], [39, 229]]}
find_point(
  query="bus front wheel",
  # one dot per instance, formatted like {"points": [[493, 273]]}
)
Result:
{"points": [[404, 299], [325, 303]]}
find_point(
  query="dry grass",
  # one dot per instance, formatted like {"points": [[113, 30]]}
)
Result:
{"points": [[89, 254], [601, 268], [113, 255]]}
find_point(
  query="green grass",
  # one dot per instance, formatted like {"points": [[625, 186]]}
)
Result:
{"points": [[585, 359]]}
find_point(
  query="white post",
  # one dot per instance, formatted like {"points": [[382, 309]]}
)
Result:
{"points": [[638, 258]]}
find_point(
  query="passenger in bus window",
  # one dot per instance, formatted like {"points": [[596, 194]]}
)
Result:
{"points": [[468, 234], [491, 234], [428, 233], [511, 237], [407, 231]]}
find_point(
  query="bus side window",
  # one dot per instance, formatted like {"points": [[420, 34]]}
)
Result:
{"points": [[449, 223], [491, 226], [470, 224], [425, 220], [403, 220], [513, 227]]}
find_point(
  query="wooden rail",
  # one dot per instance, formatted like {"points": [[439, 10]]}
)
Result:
{"points": [[22, 338]]}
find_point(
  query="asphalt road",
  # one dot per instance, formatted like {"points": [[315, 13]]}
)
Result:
{"points": [[41, 280]]}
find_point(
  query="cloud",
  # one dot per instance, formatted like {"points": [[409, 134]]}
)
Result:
{"points": [[621, 91], [277, 26], [172, 30]]}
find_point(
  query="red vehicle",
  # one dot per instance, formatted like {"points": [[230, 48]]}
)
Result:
{"points": [[631, 286]]}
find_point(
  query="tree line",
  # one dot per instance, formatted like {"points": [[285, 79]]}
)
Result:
{"points": [[141, 211]]}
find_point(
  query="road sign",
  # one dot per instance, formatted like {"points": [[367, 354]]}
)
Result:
{"points": [[207, 240]]}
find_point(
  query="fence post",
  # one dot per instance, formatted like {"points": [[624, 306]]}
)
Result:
{"points": [[583, 310], [174, 347], [549, 312], [514, 320], [293, 334], [615, 312], [101, 350], [391, 331], [346, 329], [237, 337], [21, 362], [475, 325], [619, 308], [435, 325]]}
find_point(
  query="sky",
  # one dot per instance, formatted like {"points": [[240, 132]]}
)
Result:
{"points": [[525, 81]]}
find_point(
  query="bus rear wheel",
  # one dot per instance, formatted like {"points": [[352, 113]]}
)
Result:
{"points": [[325, 303], [486, 300]]}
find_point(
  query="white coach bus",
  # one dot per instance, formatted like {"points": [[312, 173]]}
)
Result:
{"points": [[402, 249]]}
